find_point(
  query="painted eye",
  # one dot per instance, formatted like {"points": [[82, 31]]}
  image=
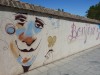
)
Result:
{"points": [[39, 23], [21, 19], [10, 29]]}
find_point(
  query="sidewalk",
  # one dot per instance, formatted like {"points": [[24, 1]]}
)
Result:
{"points": [[83, 63]]}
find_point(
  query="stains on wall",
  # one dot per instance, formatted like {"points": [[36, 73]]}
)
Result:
{"points": [[54, 22], [99, 26], [3, 45]]}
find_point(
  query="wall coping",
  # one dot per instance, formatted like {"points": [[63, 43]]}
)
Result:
{"points": [[26, 6]]}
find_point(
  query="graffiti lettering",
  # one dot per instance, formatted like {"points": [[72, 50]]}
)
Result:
{"points": [[85, 31]]}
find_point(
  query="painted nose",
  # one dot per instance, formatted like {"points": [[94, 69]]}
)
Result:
{"points": [[27, 39]]}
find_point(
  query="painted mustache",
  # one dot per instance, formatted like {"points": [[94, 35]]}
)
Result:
{"points": [[25, 50]]}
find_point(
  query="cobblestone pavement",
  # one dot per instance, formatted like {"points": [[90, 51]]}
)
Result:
{"points": [[83, 63]]}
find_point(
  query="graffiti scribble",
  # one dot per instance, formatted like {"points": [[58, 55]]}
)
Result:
{"points": [[51, 42], [49, 53]]}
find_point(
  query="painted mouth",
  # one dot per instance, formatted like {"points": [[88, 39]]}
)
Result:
{"points": [[25, 50]]}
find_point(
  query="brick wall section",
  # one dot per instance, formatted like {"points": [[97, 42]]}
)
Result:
{"points": [[26, 6]]}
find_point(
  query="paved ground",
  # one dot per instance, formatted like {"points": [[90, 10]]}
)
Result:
{"points": [[84, 63]]}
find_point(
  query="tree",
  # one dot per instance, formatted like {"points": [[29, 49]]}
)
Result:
{"points": [[94, 12], [61, 10]]}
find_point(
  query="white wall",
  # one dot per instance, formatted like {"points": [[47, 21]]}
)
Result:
{"points": [[62, 36]]}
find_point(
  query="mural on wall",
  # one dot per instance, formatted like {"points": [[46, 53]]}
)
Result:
{"points": [[85, 31], [27, 40], [51, 41]]}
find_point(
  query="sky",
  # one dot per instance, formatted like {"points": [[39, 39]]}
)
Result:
{"points": [[76, 7]]}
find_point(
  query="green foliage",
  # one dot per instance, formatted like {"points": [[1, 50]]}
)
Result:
{"points": [[61, 10], [94, 12]]}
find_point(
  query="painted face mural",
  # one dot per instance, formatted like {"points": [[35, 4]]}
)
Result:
{"points": [[27, 31]]}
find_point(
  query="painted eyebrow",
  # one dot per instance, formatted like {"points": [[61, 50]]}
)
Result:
{"points": [[17, 17]]}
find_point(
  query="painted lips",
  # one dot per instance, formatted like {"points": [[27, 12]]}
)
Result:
{"points": [[25, 50]]}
